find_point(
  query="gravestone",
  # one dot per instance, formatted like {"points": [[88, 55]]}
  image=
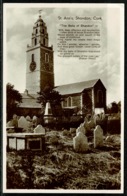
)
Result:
{"points": [[91, 123], [15, 121], [39, 129], [81, 129], [87, 127], [86, 119], [30, 124], [98, 136], [103, 116], [97, 118], [80, 143], [23, 123], [9, 123], [28, 118], [10, 127], [34, 120]]}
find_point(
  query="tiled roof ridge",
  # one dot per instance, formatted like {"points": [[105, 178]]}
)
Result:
{"points": [[94, 80]]}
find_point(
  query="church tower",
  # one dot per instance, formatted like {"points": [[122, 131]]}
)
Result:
{"points": [[40, 68]]}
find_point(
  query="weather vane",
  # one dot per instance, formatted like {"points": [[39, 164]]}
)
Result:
{"points": [[40, 11]]}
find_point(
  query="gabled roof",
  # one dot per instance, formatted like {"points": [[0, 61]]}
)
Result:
{"points": [[29, 96], [29, 101], [76, 87]]}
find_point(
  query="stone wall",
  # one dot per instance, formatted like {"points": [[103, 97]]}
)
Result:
{"points": [[75, 100]]}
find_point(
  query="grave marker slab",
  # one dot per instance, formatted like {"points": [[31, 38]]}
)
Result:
{"points": [[81, 129], [39, 129], [26, 141], [23, 123], [80, 143], [98, 136]]}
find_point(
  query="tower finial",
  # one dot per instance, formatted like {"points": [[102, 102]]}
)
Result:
{"points": [[40, 11]]}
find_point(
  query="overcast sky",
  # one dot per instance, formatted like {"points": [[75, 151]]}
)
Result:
{"points": [[18, 25]]}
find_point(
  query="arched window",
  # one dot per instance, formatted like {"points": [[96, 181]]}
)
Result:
{"points": [[69, 102], [35, 41], [99, 96], [46, 57], [32, 57], [44, 42], [65, 102]]}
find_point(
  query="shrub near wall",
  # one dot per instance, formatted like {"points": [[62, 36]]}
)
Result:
{"points": [[103, 123], [76, 120], [64, 122], [114, 126]]}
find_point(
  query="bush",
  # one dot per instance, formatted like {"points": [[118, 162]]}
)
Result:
{"points": [[103, 124], [14, 179], [54, 140], [63, 122], [66, 133], [114, 126]]}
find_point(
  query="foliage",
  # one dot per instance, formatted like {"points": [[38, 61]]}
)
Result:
{"points": [[13, 100], [114, 126], [52, 96], [59, 167], [114, 107], [119, 106], [14, 180]]}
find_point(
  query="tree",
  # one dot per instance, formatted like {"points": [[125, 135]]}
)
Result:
{"points": [[113, 107], [13, 100], [119, 106], [52, 96]]}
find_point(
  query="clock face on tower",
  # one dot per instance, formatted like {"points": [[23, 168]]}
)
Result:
{"points": [[32, 66]]}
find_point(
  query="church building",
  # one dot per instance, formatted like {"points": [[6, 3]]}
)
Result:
{"points": [[40, 73]]}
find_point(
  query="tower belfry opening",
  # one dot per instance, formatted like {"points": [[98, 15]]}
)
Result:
{"points": [[39, 34]]}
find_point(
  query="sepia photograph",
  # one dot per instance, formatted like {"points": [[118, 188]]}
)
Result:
{"points": [[63, 92]]}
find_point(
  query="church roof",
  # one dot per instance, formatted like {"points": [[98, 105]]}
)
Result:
{"points": [[29, 101], [76, 87]]}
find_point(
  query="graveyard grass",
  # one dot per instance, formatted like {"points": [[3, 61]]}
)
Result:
{"points": [[60, 167]]}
